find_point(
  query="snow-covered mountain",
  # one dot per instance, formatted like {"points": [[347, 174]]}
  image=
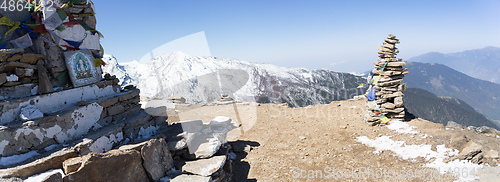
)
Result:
{"points": [[204, 79]]}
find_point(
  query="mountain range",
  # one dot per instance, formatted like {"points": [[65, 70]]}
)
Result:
{"points": [[482, 63], [440, 109], [483, 96], [204, 79]]}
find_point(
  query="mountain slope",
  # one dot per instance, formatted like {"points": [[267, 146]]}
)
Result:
{"points": [[479, 63], [428, 106], [203, 79], [441, 80]]}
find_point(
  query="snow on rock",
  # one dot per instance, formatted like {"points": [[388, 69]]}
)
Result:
{"points": [[5, 161], [401, 127], [30, 112], [401, 149], [42, 176], [204, 79]]}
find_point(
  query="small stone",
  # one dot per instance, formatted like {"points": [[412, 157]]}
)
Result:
{"points": [[12, 78], [398, 101], [220, 121], [157, 158], [16, 57], [388, 105], [3, 78], [5, 53], [81, 103], [177, 99], [302, 137], [452, 124], [31, 58], [30, 112]]}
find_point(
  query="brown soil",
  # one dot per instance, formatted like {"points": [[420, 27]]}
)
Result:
{"points": [[307, 144]]}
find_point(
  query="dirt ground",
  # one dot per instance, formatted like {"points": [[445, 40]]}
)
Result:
{"points": [[319, 143]]}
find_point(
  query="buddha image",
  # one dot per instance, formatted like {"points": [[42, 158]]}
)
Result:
{"points": [[82, 69]]}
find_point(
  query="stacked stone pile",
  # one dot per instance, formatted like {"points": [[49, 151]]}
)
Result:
{"points": [[36, 59], [386, 79]]}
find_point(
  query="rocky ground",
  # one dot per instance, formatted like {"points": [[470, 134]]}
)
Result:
{"points": [[323, 142]]}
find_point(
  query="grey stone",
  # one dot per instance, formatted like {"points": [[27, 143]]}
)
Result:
{"points": [[91, 21], [220, 121], [191, 178], [205, 167], [129, 95], [108, 102], [116, 109], [452, 124], [3, 78], [11, 180], [157, 158], [136, 147], [484, 130], [44, 85], [398, 101], [202, 148], [470, 151], [191, 126]]}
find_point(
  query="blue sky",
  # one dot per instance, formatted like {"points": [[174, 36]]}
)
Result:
{"points": [[336, 35]]}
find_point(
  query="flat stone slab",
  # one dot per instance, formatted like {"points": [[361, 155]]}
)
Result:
{"points": [[205, 167], [190, 178]]}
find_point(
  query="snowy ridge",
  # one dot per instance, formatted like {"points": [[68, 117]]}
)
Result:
{"points": [[203, 79]]}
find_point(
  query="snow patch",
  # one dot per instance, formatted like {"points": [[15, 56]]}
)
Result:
{"points": [[5, 161], [401, 127], [401, 149]]}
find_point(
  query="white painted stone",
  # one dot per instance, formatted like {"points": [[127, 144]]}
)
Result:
{"points": [[83, 118], [56, 101], [12, 78], [30, 112], [104, 143]]}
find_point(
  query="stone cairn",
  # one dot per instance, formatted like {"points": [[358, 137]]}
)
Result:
{"points": [[96, 131], [386, 81]]}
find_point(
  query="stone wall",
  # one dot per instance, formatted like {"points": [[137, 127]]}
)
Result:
{"points": [[63, 126]]}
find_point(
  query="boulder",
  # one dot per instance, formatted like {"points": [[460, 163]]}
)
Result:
{"points": [[471, 152], [205, 167], [205, 149], [115, 165], [452, 124], [157, 158]]}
